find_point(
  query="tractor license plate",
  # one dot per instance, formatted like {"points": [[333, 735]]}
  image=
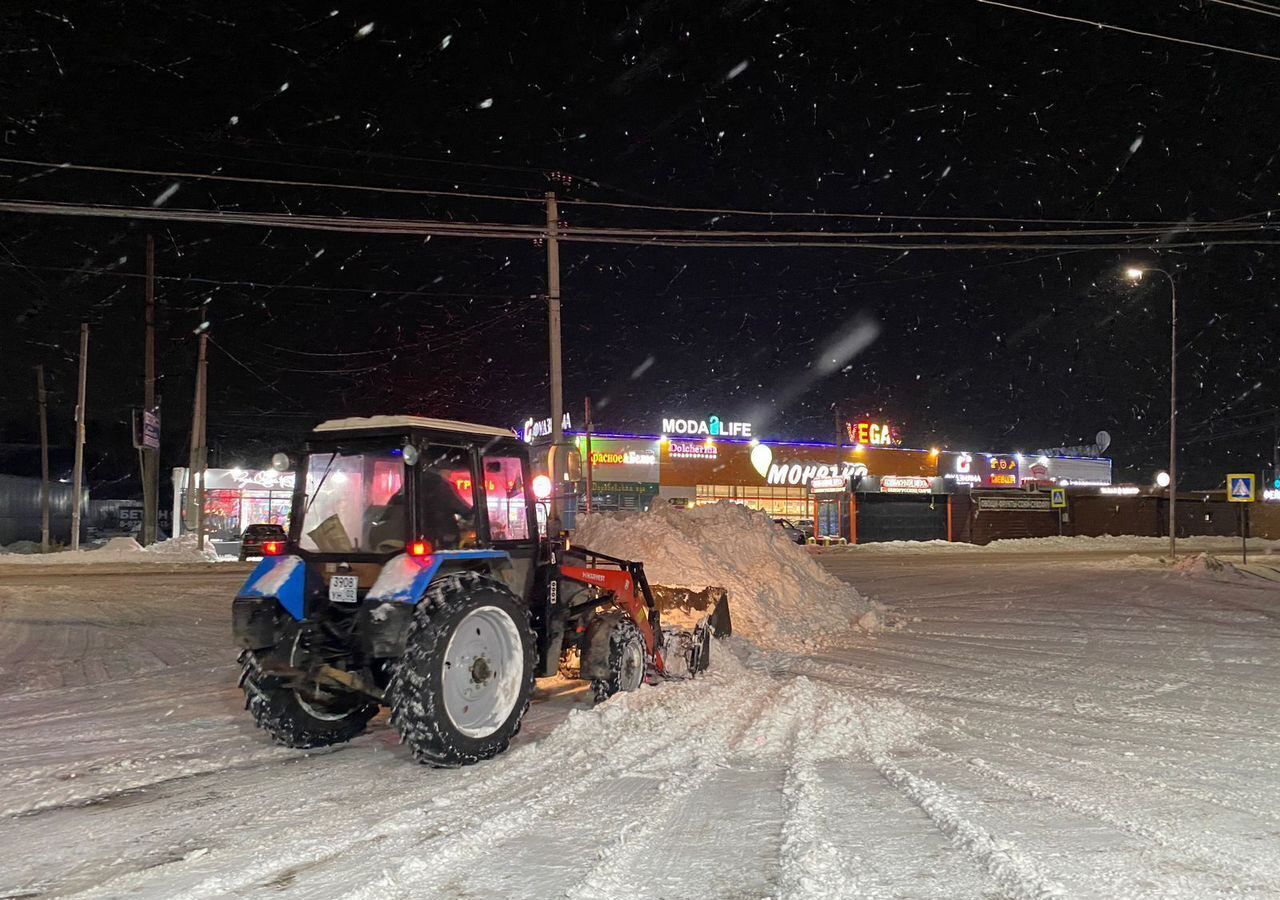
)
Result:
{"points": [[342, 588]]}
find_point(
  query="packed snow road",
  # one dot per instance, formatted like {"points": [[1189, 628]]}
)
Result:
{"points": [[1068, 728]]}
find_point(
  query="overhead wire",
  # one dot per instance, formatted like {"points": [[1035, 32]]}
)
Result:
{"points": [[569, 202], [634, 236], [1133, 31], [1260, 8]]}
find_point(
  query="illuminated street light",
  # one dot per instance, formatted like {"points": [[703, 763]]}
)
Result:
{"points": [[1135, 275], [1162, 479]]}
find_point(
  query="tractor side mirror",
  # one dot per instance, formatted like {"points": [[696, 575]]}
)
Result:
{"points": [[564, 462]]}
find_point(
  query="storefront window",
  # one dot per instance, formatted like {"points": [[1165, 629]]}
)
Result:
{"points": [[779, 502]]}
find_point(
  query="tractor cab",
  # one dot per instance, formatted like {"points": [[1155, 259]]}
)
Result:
{"points": [[370, 491]]}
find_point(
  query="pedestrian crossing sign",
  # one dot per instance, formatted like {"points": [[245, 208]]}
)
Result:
{"points": [[1240, 488], [1058, 498]]}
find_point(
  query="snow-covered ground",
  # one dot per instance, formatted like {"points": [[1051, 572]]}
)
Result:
{"points": [[1057, 729], [183, 549]]}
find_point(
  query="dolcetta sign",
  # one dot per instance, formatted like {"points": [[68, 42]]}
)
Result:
{"points": [[801, 473], [712, 427]]}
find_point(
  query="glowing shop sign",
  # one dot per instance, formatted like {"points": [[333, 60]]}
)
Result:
{"points": [[877, 434], [1271, 495], [711, 426], [690, 450], [803, 473], [829, 484], [1119, 490], [622, 458], [904, 484], [532, 430]]}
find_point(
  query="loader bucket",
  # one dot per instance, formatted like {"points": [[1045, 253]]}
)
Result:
{"points": [[684, 608]]}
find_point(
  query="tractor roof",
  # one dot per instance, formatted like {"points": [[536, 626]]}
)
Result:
{"points": [[383, 423]]}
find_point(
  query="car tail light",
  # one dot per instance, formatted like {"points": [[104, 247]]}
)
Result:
{"points": [[420, 548], [272, 548]]}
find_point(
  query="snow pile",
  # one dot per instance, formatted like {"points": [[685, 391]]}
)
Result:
{"points": [[120, 550], [1206, 565], [780, 598], [21, 547]]}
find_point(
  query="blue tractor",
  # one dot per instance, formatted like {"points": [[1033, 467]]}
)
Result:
{"points": [[414, 577]]}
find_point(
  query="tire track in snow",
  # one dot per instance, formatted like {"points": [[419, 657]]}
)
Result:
{"points": [[649, 731], [1221, 861], [486, 801], [1016, 872], [811, 866]]}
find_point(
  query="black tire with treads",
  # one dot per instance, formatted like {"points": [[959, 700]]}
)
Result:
{"points": [[277, 710], [416, 693]]}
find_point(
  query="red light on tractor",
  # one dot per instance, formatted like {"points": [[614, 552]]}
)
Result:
{"points": [[420, 548], [272, 548]]}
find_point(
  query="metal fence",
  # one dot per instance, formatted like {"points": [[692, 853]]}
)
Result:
{"points": [[20, 510]]}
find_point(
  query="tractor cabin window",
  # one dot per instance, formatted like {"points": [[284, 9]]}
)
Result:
{"points": [[446, 498], [504, 497]]}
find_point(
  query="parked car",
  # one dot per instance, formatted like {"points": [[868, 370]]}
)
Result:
{"points": [[805, 526], [256, 535], [793, 533]]}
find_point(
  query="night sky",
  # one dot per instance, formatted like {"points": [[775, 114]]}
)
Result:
{"points": [[922, 109]]}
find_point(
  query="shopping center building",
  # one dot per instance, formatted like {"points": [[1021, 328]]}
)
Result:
{"points": [[869, 489]]}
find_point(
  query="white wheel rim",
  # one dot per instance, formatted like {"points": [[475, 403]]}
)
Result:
{"points": [[482, 671], [631, 666]]}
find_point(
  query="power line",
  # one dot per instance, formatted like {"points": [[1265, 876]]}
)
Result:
{"points": [[1260, 8], [262, 285], [648, 207], [1146, 34], [633, 237], [245, 179]]}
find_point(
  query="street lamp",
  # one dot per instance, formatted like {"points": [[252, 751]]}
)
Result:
{"points": [[1135, 275]]}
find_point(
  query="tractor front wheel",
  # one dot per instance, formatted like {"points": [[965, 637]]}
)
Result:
{"points": [[463, 684], [626, 663]]}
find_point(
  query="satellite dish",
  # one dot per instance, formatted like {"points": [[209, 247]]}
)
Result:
{"points": [[1104, 441]]}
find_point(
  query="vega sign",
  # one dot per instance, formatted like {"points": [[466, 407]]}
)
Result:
{"points": [[876, 434], [712, 427]]}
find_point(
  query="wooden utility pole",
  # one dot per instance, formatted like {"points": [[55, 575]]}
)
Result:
{"points": [[78, 480], [150, 455], [586, 418], [195, 462], [42, 398], [554, 520]]}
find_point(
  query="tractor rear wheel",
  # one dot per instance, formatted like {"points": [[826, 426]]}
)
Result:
{"points": [[626, 664], [463, 684], [295, 721]]}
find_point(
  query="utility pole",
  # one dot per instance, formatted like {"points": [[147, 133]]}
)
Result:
{"points": [[586, 418], [42, 398], [150, 455], [839, 469], [554, 520], [204, 434], [80, 418], [195, 463]]}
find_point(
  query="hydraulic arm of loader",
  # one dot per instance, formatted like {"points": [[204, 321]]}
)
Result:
{"points": [[623, 579]]}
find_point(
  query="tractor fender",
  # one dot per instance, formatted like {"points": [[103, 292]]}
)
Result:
{"points": [[594, 650], [405, 578], [281, 578], [388, 609]]}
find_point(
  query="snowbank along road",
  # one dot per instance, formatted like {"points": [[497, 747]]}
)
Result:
{"points": [[1068, 729]]}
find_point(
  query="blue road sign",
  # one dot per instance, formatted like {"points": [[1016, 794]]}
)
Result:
{"points": [[1240, 488]]}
